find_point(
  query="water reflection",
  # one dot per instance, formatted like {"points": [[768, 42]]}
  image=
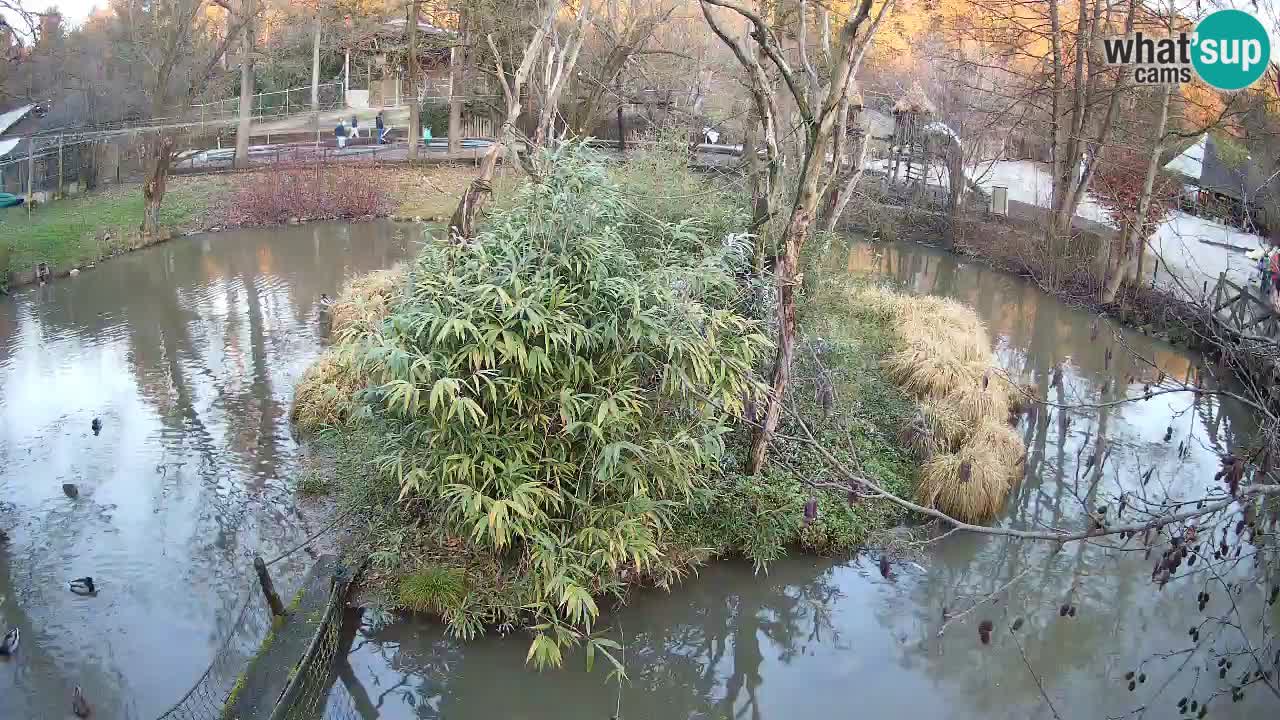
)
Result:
{"points": [[188, 352], [817, 639]]}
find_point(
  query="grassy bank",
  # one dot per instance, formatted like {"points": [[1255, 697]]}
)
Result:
{"points": [[84, 229]]}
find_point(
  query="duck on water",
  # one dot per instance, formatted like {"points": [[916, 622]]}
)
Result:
{"points": [[83, 586], [9, 645]]}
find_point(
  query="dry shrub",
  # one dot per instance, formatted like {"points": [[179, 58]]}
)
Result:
{"points": [[1002, 443], [974, 498], [366, 302], [313, 192], [325, 396], [947, 364], [1022, 397]]}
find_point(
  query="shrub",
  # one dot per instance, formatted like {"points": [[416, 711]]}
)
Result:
{"points": [[544, 386], [311, 192]]}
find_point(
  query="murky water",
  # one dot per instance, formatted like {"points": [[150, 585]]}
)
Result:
{"points": [[188, 352], [826, 639]]}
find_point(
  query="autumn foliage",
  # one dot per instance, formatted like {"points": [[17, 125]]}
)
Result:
{"points": [[1118, 188]]}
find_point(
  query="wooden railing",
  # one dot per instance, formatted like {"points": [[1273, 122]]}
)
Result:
{"points": [[1243, 310]]}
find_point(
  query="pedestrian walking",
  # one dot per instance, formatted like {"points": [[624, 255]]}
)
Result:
{"points": [[355, 126], [1273, 268], [340, 132], [381, 129]]}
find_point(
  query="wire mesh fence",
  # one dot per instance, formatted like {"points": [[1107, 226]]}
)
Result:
{"points": [[308, 691], [208, 696]]}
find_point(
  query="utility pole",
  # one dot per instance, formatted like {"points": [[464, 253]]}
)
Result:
{"points": [[414, 120]]}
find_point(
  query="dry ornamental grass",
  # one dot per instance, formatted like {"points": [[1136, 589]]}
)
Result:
{"points": [[972, 456]]}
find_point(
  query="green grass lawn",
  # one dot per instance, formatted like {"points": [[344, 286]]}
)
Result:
{"points": [[70, 231]]}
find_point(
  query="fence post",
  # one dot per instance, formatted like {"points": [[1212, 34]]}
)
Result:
{"points": [[268, 589], [31, 168], [60, 174]]}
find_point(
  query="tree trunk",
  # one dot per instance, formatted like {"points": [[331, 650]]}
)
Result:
{"points": [[456, 61], [415, 130], [788, 269], [844, 193], [246, 87], [159, 157], [1135, 236], [793, 238], [315, 76]]}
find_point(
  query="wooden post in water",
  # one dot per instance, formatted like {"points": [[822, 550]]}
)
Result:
{"points": [[268, 589]]}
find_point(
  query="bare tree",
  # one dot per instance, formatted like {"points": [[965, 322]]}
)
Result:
{"points": [[462, 224], [818, 102], [415, 122], [621, 33], [180, 54]]}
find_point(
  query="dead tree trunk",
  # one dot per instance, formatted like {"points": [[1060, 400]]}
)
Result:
{"points": [[463, 223], [159, 160]]}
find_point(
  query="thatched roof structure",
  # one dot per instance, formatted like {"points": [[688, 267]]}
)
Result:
{"points": [[914, 101]]}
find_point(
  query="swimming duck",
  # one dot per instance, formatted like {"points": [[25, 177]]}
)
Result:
{"points": [[9, 645], [83, 586], [79, 705]]}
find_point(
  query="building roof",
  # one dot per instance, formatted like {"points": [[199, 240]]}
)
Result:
{"points": [[11, 118], [1205, 164], [1241, 179]]}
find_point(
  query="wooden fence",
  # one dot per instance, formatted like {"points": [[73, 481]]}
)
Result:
{"points": [[1243, 310]]}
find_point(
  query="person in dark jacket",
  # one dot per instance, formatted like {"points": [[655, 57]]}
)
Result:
{"points": [[340, 132], [355, 126], [382, 129]]}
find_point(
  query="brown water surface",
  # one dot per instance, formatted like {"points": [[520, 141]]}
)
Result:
{"points": [[188, 352]]}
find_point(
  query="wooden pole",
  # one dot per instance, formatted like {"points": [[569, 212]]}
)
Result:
{"points": [[31, 173], [268, 589], [31, 167], [622, 132], [60, 193]]}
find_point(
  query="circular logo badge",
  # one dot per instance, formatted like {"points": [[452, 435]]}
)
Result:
{"points": [[1232, 49]]}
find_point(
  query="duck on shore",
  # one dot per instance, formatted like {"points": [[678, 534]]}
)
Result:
{"points": [[83, 586], [9, 645]]}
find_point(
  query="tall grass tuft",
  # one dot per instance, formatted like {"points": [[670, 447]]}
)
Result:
{"points": [[327, 394], [972, 455]]}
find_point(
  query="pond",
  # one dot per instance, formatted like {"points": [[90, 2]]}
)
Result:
{"points": [[188, 353], [815, 638]]}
